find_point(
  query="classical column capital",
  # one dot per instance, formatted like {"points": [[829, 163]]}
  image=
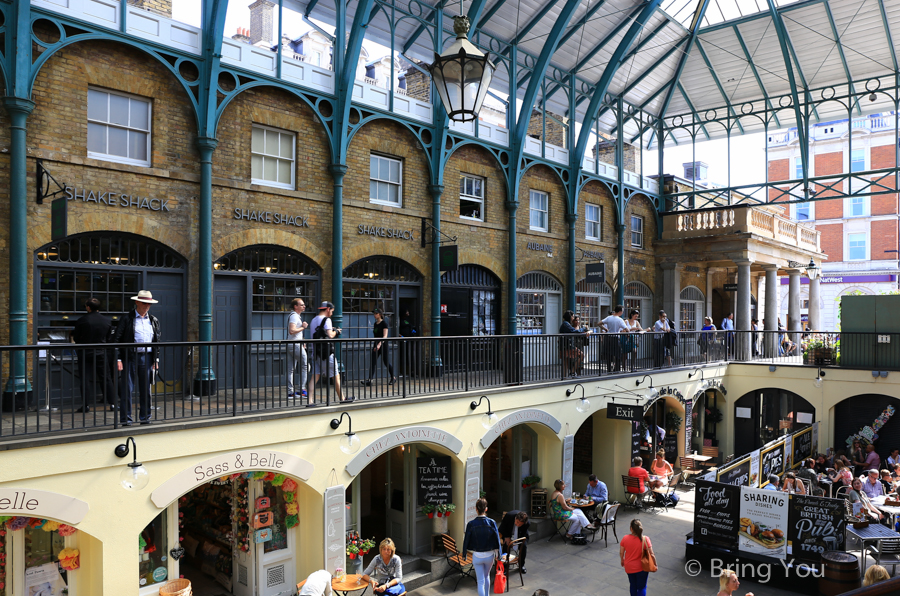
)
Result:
{"points": [[742, 262], [770, 267]]}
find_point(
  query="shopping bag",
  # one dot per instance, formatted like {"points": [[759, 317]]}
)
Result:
{"points": [[500, 579], [648, 559]]}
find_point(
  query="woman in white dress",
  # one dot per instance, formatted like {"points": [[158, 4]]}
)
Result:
{"points": [[630, 342]]}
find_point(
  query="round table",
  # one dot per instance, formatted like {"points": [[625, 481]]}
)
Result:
{"points": [[348, 584], [587, 505]]}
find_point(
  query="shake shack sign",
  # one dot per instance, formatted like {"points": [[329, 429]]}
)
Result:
{"points": [[384, 232], [116, 198], [283, 219]]}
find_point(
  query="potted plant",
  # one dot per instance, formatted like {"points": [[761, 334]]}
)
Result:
{"points": [[714, 415], [448, 509], [366, 545], [428, 509], [673, 421], [530, 481], [352, 550]]}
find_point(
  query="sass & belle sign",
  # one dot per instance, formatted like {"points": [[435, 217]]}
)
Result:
{"points": [[520, 417], [28, 502], [716, 514], [435, 486], [235, 462], [402, 436]]}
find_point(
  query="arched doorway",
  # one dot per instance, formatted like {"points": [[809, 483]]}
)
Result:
{"points": [[592, 303], [707, 420], [861, 411], [662, 428], [693, 304], [253, 288], [764, 415], [111, 267], [395, 287], [470, 306], [538, 311], [638, 296]]}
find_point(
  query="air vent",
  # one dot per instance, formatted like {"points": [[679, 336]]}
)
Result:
{"points": [[274, 576], [242, 575]]}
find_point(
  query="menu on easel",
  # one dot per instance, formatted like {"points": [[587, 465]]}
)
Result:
{"points": [[716, 514]]}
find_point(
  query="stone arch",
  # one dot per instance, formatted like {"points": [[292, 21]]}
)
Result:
{"points": [[531, 416], [254, 236], [397, 250], [540, 163], [39, 235], [404, 436]]}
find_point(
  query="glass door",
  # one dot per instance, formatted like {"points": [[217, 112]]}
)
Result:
{"points": [[398, 502], [276, 557], [156, 566]]}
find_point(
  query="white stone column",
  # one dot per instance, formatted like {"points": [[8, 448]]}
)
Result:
{"points": [[794, 324], [672, 291], [709, 291], [742, 314], [771, 317], [815, 315]]}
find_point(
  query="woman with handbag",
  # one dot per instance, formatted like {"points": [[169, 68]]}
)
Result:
{"points": [[387, 569], [483, 539], [638, 559]]}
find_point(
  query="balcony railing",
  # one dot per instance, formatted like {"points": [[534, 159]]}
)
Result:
{"points": [[251, 377], [729, 220]]}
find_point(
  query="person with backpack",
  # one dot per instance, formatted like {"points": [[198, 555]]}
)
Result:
{"points": [[324, 352]]}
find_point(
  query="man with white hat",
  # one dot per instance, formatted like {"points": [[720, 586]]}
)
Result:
{"points": [[138, 362]]}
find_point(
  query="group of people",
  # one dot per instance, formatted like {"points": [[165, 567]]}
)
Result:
{"points": [[384, 575]]}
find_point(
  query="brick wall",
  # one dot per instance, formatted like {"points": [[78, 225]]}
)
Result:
{"points": [[542, 178], [779, 169], [606, 153], [418, 84], [832, 240], [551, 130], [640, 264], [160, 7], [883, 157], [884, 238]]}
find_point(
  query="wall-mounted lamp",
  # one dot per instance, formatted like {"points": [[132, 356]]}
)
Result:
{"points": [[694, 373], [583, 405], [350, 442], [819, 376], [489, 419], [638, 383], [135, 476]]}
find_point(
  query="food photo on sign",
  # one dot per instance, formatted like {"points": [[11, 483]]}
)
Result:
{"points": [[763, 522]]}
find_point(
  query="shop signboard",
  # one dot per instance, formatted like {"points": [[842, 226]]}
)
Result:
{"points": [[816, 526], [688, 424], [754, 469], [716, 514], [738, 475], [772, 461], [670, 444], [595, 273], [802, 446], [567, 464], [633, 412], [335, 527], [473, 486], [788, 452], [435, 487], [635, 440], [763, 522]]}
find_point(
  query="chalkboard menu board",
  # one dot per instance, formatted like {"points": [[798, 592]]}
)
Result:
{"points": [[739, 475], [671, 447], [635, 440], [435, 487], [717, 514], [688, 424], [802, 446], [772, 460], [815, 525]]}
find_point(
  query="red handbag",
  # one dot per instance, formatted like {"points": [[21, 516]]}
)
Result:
{"points": [[499, 579]]}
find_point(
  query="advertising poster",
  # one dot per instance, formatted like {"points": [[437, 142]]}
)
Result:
{"points": [[788, 452], [772, 462], [754, 470], [816, 526], [802, 446], [716, 514], [44, 580], [763, 522], [815, 437], [737, 475]]}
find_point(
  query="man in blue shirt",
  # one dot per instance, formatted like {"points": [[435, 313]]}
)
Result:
{"points": [[728, 325], [596, 491], [774, 481]]}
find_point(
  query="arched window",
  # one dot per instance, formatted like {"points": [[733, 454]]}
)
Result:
{"points": [[384, 282], [639, 297], [693, 304], [538, 303], [275, 260], [592, 301]]}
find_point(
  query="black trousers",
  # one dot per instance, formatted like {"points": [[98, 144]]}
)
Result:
{"points": [[385, 353], [95, 374]]}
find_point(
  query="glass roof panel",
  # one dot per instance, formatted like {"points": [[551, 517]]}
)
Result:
{"points": [[718, 11]]}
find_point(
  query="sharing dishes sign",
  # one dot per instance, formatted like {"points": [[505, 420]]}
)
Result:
{"points": [[764, 522]]}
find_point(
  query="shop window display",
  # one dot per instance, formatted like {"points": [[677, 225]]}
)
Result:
{"points": [[47, 561], [152, 552]]}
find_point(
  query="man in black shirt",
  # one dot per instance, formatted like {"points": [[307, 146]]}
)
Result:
{"points": [[380, 333], [93, 328], [513, 526]]}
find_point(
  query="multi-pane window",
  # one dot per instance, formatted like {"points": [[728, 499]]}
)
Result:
{"points": [[858, 160], [118, 127], [272, 159], [637, 231], [271, 306], [857, 206], [539, 203], [530, 312], [471, 197], [66, 290], [591, 221], [802, 211], [856, 247], [798, 168], [385, 180]]}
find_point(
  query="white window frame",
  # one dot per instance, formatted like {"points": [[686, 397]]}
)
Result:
{"points": [[810, 205], [107, 124], [398, 183], [277, 158], [798, 165], [471, 197], [639, 232], [532, 209], [588, 221], [865, 160], [866, 247]]}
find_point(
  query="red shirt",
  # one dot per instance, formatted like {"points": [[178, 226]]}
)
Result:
{"points": [[633, 549], [642, 475]]}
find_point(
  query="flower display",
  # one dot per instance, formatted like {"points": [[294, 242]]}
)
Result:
{"points": [[292, 508], [65, 530], [50, 526], [291, 521], [289, 485], [17, 523], [278, 480], [69, 559], [869, 434]]}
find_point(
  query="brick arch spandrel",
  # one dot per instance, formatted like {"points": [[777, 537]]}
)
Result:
{"points": [[488, 262], [39, 235], [399, 251], [255, 236]]}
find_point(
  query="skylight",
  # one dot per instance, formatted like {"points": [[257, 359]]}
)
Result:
{"points": [[718, 11]]}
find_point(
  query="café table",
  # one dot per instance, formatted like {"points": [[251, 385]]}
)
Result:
{"points": [[698, 458], [827, 485], [349, 583], [892, 510], [871, 533]]}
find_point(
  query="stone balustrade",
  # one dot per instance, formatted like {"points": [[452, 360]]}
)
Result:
{"points": [[740, 219]]}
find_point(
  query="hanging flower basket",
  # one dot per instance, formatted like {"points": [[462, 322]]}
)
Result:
{"points": [[353, 555], [440, 513], [431, 515]]}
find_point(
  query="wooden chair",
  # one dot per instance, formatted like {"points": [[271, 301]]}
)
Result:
{"points": [[688, 468], [608, 520], [513, 559], [456, 562], [712, 452], [634, 499]]}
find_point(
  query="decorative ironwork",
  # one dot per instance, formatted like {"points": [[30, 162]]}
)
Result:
{"points": [[103, 248]]}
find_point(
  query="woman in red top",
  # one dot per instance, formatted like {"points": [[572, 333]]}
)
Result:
{"points": [[630, 550]]}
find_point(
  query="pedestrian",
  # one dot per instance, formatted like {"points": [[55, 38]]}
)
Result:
{"points": [[631, 548], [613, 324], [754, 343], [381, 348], [728, 583], [296, 352], [138, 363], [318, 583], [93, 367], [483, 539], [513, 526], [663, 340], [874, 575], [728, 327], [324, 360], [408, 350]]}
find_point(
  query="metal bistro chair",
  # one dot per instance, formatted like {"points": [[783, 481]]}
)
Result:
{"points": [[688, 468], [886, 552], [457, 564], [634, 499], [562, 524], [841, 492], [510, 559], [663, 495], [608, 520]]}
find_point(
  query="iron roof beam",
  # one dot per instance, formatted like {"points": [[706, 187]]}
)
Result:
{"points": [[531, 25], [759, 16], [715, 76], [490, 14], [421, 28], [840, 48], [755, 72], [887, 32], [693, 110], [581, 22], [790, 45]]}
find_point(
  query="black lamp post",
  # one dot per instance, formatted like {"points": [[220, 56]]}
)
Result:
{"points": [[462, 74]]}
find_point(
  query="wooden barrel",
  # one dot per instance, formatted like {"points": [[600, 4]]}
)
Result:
{"points": [[840, 573]]}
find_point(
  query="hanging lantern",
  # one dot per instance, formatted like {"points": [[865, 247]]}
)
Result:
{"points": [[462, 75], [812, 272]]}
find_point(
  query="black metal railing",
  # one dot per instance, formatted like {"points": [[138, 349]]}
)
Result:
{"points": [[64, 387]]}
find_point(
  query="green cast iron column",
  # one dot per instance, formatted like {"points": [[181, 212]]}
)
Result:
{"points": [[436, 191], [337, 245], [512, 206], [205, 381], [571, 218], [620, 255], [18, 110]]}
